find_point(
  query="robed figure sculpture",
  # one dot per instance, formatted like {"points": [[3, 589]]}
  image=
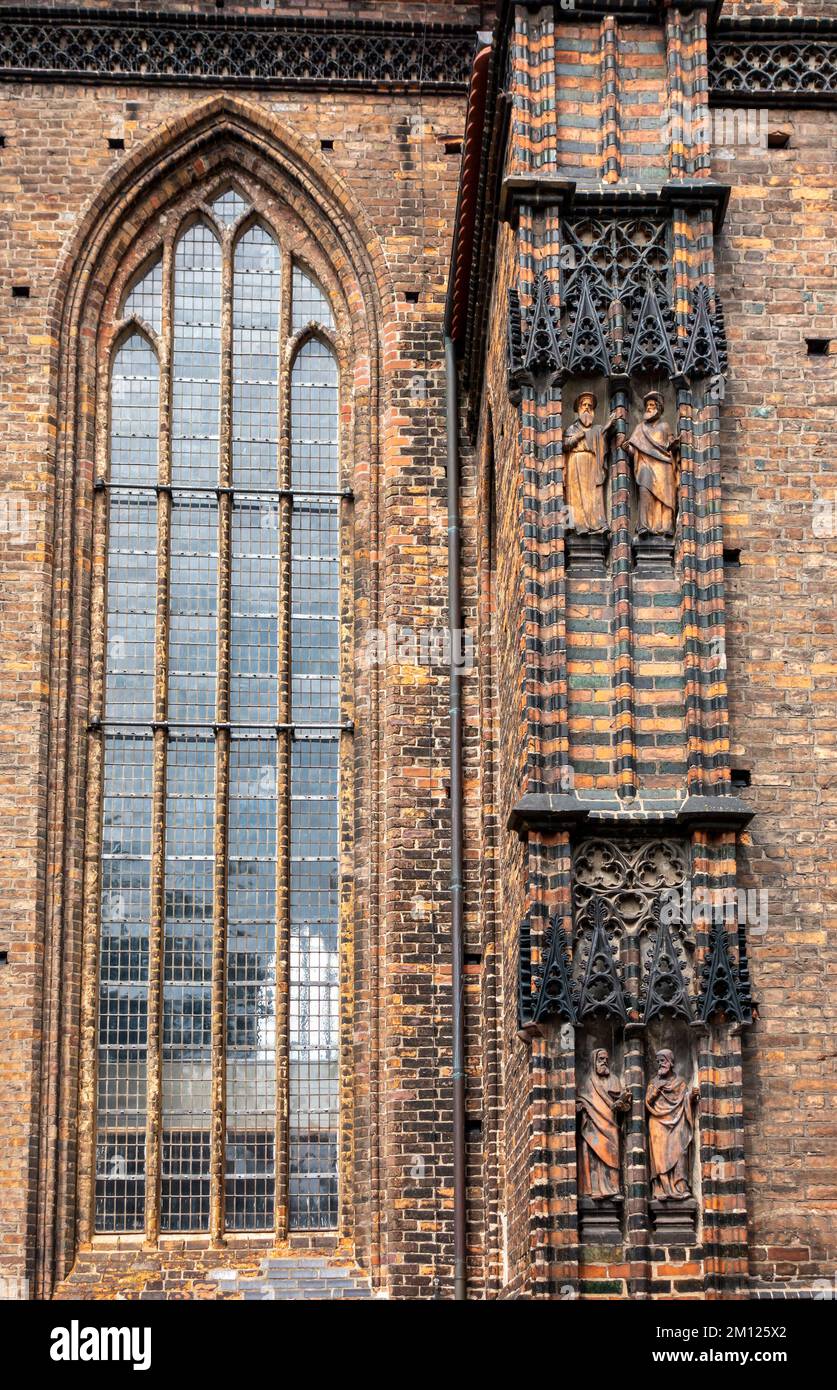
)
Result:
{"points": [[655, 451], [585, 466], [671, 1106], [598, 1105]]}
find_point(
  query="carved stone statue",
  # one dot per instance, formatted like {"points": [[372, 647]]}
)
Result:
{"points": [[655, 451], [585, 466], [671, 1106], [598, 1106]]}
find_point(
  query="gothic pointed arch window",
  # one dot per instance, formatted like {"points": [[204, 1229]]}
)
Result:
{"points": [[215, 738]]}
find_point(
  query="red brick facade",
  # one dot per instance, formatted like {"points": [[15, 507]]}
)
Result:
{"points": [[634, 688]]}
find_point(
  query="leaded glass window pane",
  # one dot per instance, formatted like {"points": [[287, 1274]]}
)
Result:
{"points": [[193, 592], [314, 983], [123, 982], [251, 985], [229, 207], [309, 303], [255, 429], [314, 787], [146, 298], [193, 607], [196, 395], [187, 983]]}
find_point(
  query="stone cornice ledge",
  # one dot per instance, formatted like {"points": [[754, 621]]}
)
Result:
{"points": [[567, 196], [605, 810]]}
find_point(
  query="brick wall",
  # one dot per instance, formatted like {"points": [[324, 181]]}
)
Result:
{"points": [[505, 698], [372, 10], [776, 273]]}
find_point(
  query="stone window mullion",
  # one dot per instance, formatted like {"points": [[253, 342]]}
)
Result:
{"points": [[160, 759], [222, 762], [283, 770]]}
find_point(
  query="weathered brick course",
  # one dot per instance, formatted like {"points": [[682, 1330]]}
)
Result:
{"points": [[776, 272]]}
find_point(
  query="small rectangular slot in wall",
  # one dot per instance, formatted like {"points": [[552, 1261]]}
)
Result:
{"points": [[778, 139], [2, 142], [411, 296], [326, 145], [818, 347], [20, 291], [731, 556], [4, 957], [453, 147], [115, 142], [740, 776]]}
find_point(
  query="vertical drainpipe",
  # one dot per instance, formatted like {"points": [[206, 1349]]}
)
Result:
{"points": [[457, 970], [454, 329]]}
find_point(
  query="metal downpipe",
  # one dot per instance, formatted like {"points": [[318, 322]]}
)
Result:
{"points": [[457, 970]]}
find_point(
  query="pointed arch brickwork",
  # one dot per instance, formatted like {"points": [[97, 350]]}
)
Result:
{"points": [[211, 144]]}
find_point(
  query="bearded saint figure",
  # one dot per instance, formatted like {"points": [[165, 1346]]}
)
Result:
{"points": [[585, 466], [655, 450], [598, 1106], [671, 1106]]}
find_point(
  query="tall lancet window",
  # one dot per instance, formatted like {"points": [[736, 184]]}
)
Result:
{"points": [[216, 731]]}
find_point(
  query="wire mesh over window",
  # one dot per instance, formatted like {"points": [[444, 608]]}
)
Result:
{"points": [[204, 702]]}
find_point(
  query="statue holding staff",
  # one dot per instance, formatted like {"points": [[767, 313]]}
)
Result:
{"points": [[655, 452], [585, 466], [598, 1106], [671, 1106]]}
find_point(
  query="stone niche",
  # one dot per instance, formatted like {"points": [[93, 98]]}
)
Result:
{"points": [[672, 1119]]}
